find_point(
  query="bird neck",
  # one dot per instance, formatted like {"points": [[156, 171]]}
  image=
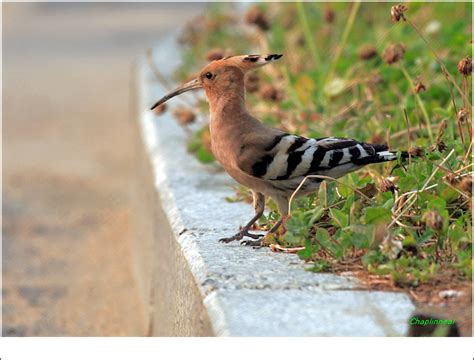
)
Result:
{"points": [[228, 110], [230, 122]]}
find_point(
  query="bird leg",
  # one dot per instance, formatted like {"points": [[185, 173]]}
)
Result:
{"points": [[244, 231], [259, 205], [277, 225], [282, 203], [280, 224]]}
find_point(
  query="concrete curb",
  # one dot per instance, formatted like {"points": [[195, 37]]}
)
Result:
{"points": [[234, 290]]}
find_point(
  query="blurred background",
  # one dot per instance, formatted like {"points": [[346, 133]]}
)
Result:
{"points": [[67, 163]]}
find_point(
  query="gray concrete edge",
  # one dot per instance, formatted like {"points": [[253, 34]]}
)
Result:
{"points": [[246, 292]]}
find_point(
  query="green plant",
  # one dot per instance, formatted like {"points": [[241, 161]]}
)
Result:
{"points": [[408, 220]]}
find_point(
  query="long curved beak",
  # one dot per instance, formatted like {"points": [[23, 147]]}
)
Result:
{"points": [[191, 85]]}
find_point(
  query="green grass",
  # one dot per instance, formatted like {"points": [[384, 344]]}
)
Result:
{"points": [[423, 228]]}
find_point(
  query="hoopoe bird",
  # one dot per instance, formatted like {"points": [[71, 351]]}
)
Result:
{"points": [[266, 160]]}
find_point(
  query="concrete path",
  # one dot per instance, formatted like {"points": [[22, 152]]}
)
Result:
{"points": [[67, 164]]}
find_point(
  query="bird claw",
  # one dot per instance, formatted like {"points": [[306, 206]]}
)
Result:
{"points": [[254, 243], [239, 236], [228, 240]]}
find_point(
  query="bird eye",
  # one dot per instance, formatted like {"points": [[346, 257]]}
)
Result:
{"points": [[209, 75]]}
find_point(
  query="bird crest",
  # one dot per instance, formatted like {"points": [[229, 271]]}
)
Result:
{"points": [[248, 62], [244, 63]]}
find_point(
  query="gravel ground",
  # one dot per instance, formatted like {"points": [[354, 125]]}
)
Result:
{"points": [[67, 164]]}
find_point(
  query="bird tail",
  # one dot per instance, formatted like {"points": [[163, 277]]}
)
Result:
{"points": [[381, 155], [389, 155]]}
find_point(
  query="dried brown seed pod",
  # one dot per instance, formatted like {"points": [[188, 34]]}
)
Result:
{"points": [[465, 66], [440, 146], [370, 190], [387, 185], [191, 31], [433, 219], [393, 53], [466, 185], [329, 15], [252, 83], [160, 109], [451, 179], [397, 12], [255, 16], [214, 54], [375, 78], [367, 52], [269, 92], [419, 86], [462, 115], [184, 116], [441, 129], [377, 138], [416, 151], [219, 22]]}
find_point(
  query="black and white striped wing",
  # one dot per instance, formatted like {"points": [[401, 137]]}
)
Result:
{"points": [[291, 157]]}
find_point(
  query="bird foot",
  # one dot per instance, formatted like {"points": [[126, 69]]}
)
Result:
{"points": [[254, 243], [239, 236], [265, 240]]}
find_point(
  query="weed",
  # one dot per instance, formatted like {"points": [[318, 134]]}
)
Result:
{"points": [[407, 220]]}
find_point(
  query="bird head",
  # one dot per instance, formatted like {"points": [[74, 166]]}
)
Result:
{"points": [[221, 76]]}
